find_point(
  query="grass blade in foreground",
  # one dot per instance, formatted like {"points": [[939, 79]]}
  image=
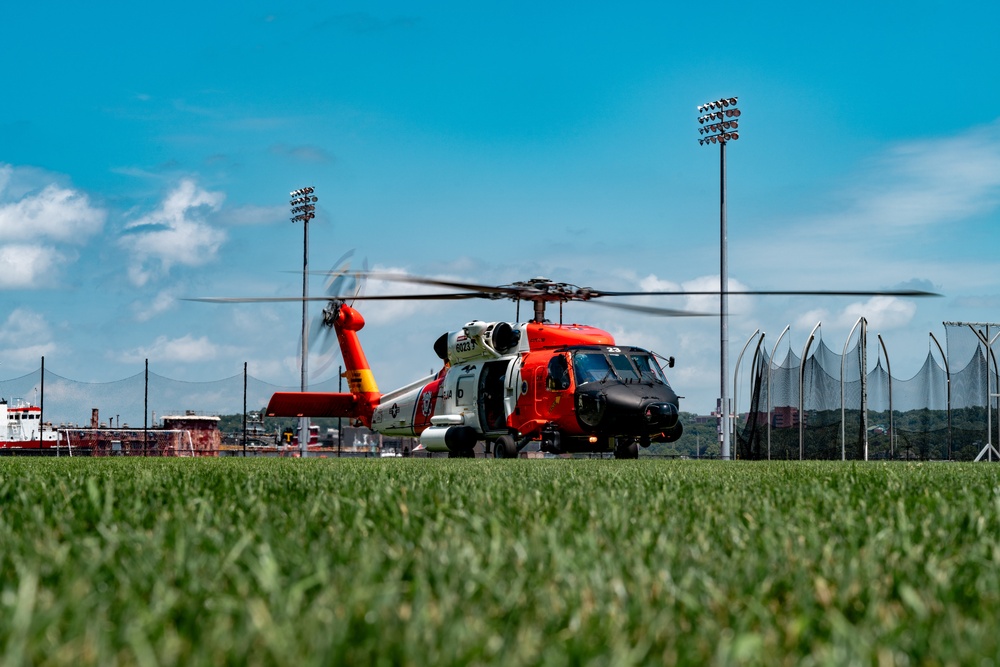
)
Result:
{"points": [[230, 561]]}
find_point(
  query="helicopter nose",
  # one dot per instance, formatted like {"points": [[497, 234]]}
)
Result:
{"points": [[661, 415]]}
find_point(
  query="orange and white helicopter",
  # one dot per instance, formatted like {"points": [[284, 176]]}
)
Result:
{"points": [[570, 388]]}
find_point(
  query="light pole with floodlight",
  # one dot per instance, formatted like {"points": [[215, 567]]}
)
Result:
{"points": [[719, 126], [304, 210]]}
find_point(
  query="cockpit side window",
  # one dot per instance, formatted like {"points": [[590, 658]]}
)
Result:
{"points": [[648, 367], [558, 374]]}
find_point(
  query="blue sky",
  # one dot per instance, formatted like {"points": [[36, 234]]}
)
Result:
{"points": [[146, 154]]}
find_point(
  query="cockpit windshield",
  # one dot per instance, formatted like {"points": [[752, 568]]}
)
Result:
{"points": [[623, 364], [590, 366]]}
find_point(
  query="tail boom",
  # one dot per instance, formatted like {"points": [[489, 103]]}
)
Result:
{"points": [[313, 404]]}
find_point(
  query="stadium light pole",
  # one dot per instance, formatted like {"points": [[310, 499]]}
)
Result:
{"points": [[719, 125], [303, 210]]}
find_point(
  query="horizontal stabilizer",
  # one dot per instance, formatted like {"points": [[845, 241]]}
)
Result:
{"points": [[312, 404]]}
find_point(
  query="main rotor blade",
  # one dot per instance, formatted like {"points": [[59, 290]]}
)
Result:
{"points": [[514, 290], [299, 299], [652, 310], [905, 292], [389, 276]]}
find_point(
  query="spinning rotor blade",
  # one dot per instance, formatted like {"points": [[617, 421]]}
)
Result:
{"points": [[539, 291], [419, 280], [528, 290], [339, 279], [904, 292], [325, 348], [542, 286], [374, 297], [653, 310]]}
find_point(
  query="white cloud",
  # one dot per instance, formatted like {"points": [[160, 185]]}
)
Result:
{"points": [[25, 338], [55, 213], [806, 320], [161, 303], [175, 233], [26, 266], [882, 312], [916, 184], [36, 216], [186, 349], [935, 181], [23, 324]]}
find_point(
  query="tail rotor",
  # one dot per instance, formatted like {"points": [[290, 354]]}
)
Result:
{"points": [[342, 285]]}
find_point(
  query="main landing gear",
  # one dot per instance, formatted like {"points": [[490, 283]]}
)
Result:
{"points": [[626, 449], [504, 447]]}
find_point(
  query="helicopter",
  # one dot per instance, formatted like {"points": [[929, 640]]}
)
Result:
{"points": [[570, 388]]}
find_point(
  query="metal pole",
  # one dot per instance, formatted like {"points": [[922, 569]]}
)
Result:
{"points": [[988, 449], [724, 304], [863, 361], [736, 373], [947, 384], [989, 426], [244, 409], [888, 372], [41, 408], [996, 378], [304, 422], [802, 384], [843, 415], [770, 365], [340, 420], [145, 414]]}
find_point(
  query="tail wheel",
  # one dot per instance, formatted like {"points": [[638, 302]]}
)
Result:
{"points": [[626, 449], [504, 448]]}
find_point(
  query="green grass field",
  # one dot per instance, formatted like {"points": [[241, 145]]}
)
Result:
{"points": [[521, 562]]}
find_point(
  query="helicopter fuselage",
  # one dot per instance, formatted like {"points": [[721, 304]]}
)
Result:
{"points": [[570, 387]]}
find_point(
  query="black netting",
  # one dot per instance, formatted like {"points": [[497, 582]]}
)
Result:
{"points": [[845, 409], [120, 403]]}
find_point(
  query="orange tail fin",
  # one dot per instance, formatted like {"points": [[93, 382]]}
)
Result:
{"points": [[364, 395]]}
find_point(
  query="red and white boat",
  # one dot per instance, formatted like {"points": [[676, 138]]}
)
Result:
{"points": [[21, 426]]}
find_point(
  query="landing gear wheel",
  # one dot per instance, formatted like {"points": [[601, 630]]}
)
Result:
{"points": [[627, 449], [504, 448]]}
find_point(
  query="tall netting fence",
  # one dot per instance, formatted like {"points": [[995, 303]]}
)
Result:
{"points": [[833, 406], [136, 402]]}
